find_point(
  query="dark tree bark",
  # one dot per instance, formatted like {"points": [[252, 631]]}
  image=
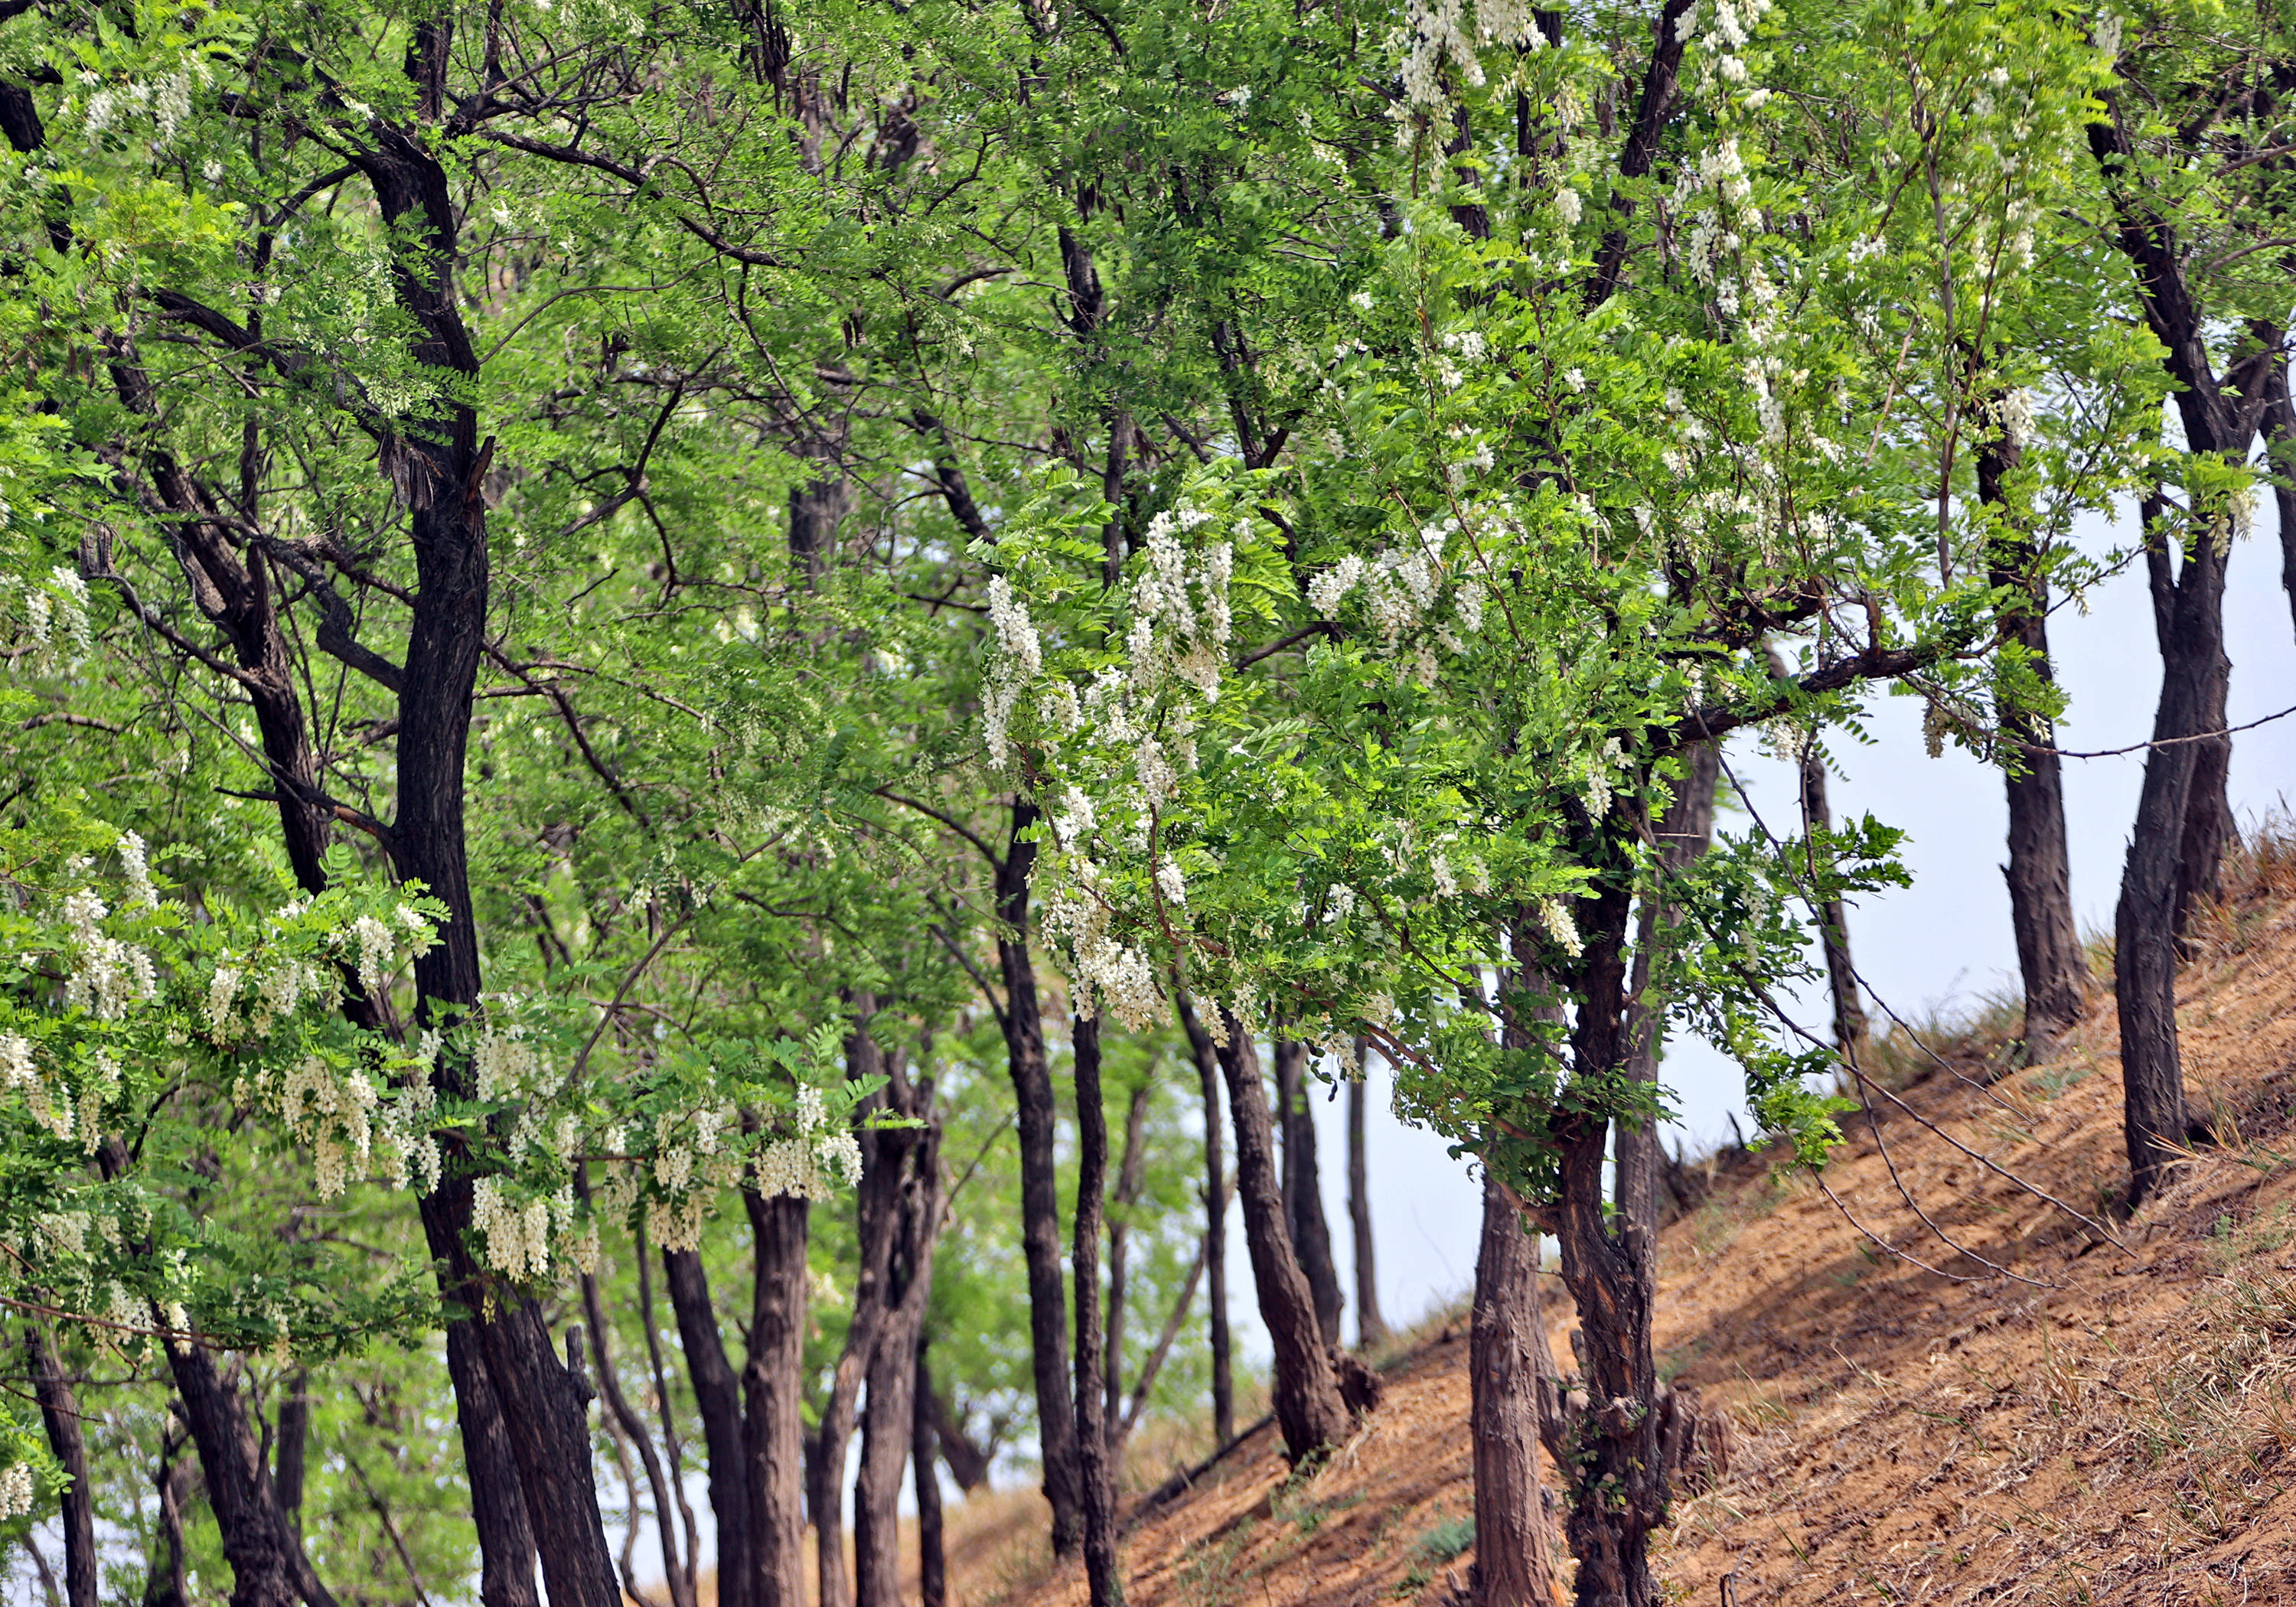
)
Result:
{"points": [[2039, 871], [1040, 1206], [267, 1567], [1308, 1408], [1371, 1326], [60, 1414], [967, 1463], [633, 1429], [1199, 1044], [877, 1211], [1683, 833], [772, 1382], [1514, 1564], [165, 1582], [888, 1419], [1303, 1188], [292, 1447], [2280, 436], [816, 509], [925, 1456], [1101, 1568], [718, 1399], [1832, 920], [1608, 1455], [1128, 1175], [2182, 820]]}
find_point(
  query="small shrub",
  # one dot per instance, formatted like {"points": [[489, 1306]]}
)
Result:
{"points": [[1446, 1539]]}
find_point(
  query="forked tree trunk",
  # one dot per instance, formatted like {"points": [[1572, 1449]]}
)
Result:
{"points": [[2189, 610], [59, 1414], [1101, 1568], [924, 1457], [2280, 447], [1308, 1405], [1611, 1461], [1683, 832], [1199, 1044], [291, 1453], [888, 1419], [267, 1568], [1371, 1326], [1515, 1563], [1303, 1187], [718, 1400], [1040, 1204], [2039, 871]]}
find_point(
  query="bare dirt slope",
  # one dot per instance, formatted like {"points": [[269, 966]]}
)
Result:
{"points": [[2101, 1421]]}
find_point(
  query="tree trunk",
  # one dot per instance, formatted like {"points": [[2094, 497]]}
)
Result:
{"points": [[2145, 923], [164, 1581], [1371, 1326], [1307, 1404], [633, 1429], [2279, 449], [1514, 1565], [878, 1212], [772, 1385], [1128, 1175], [1303, 1188], [1616, 1484], [60, 1412], [292, 1453], [1683, 832], [925, 1456], [1833, 918], [816, 509], [1041, 1207], [1100, 1565], [888, 1421], [1199, 1043], [717, 1399], [2039, 871], [267, 1565]]}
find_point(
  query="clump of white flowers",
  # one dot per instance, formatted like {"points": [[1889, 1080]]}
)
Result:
{"points": [[55, 633], [15, 1489]]}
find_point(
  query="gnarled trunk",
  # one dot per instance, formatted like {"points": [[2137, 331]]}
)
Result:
{"points": [[773, 1383]]}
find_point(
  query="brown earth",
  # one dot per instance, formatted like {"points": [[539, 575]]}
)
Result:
{"points": [[2059, 1412]]}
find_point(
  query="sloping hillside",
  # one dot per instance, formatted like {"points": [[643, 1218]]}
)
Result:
{"points": [[2111, 1423]]}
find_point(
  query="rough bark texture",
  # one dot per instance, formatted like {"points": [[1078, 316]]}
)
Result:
{"points": [[2155, 1120], [267, 1567], [717, 1399], [878, 1213], [1515, 1563], [59, 1414], [1832, 920], [1609, 1458], [1371, 1326], [1683, 832], [1199, 1043], [924, 1454], [635, 1430], [1309, 1407], [888, 1419], [1040, 1205], [292, 1447], [2039, 872], [1103, 1577], [773, 1431], [1303, 1188], [2172, 848]]}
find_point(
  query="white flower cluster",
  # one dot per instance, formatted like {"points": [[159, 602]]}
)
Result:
{"points": [[51, 1102], [1555, 916], [1180, 618], [55, 620], [1400, 587], [809, 1165], [1436, 29], [503, 1063], [382, 947], [1106, 971], [332, 1113], [517, 1236], [16, 1489], [1727, 25], [108, 975]]}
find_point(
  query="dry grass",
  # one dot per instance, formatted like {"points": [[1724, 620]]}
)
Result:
{"points": [[2109, 1421]]}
